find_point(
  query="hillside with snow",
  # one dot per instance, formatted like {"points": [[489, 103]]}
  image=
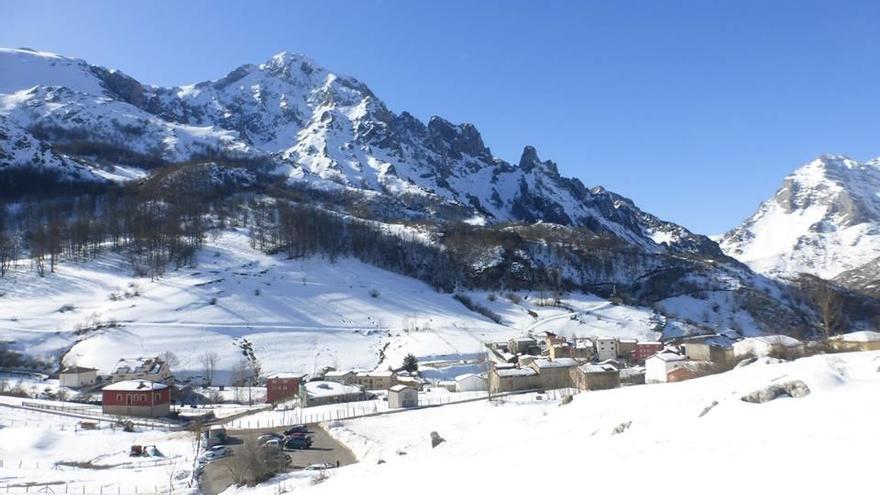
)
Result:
{"points": [[824, 220], [297, 315], [655, 438]]}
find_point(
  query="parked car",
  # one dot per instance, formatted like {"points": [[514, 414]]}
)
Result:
{"points": [[212, 455], [269, 436], [319, 467], [272, 442], [220, 449], [296, 429], [294, 443]]}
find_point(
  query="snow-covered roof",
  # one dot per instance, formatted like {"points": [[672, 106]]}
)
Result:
{"points": [[379, 374], [516, 372], [400, 388], [598, 368], [329, 389], [783, 340], [150, 365], [861, 336], [668, 356], [135, 386], [337, 373], [285, 375], [75, 370], [555, 363], [468, 376], [650, 343]]}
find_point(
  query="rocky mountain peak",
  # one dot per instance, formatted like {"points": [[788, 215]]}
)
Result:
{"points": [[529, 161]]}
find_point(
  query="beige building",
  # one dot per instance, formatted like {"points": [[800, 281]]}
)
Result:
{"points": [[343, 377], [554, 373], [626, 348], [78, 376], [375, 380], [596, 377], [512, 379], [400, 396]]}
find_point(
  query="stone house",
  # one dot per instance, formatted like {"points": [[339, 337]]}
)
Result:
{"points": [[596, 377]]}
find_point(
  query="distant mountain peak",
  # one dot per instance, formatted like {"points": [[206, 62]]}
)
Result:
{"points": [[825, 219]]}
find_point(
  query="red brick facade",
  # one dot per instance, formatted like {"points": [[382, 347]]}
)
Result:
{"points": [[280, 389], [136, 398], [644, 350]]}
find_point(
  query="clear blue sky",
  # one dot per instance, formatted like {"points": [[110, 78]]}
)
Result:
{"points": [[694, 109]]}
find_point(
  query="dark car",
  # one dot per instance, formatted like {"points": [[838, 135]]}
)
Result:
{"points": [[296, 429], [294, 443]]}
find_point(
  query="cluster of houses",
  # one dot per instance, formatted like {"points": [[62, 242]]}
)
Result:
{"points": [[551, 361], [145, 386]]}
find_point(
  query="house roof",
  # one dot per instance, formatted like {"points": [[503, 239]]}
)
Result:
{"points": [[285, 376], [329, 389], [783, 340], [650, 343], [555, 363], [668, 356], [516, 372], [75, 370], [468, 376], [400, 388], [862, 336], [135, 386], [378, 374], [338, 373], [151, 365], [598, 368]]}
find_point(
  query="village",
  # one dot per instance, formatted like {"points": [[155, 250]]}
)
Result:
{"points": [[284, 414]]}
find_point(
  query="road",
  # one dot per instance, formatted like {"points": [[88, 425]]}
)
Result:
{"points": [[325, 449]]}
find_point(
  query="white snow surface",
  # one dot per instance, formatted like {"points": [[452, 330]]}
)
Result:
{"points": [[765, 445]]}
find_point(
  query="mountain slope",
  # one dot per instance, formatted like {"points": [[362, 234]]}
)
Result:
{"points": [[315, 128], [824, 220]]}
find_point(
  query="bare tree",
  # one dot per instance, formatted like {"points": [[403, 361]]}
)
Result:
{"points": [[170, 359], [209, 366], [827, 301]]}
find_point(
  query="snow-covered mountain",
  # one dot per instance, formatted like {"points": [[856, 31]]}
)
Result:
{"points": [[825, 220], [317, 129]]}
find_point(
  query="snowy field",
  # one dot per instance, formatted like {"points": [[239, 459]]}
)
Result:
{"points": [[298, 315], [40, 450], [661, 438]]}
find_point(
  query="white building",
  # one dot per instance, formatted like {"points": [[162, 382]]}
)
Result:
{"points": [[607, 348], [659, 365], [471, 382], [319, 393], [400, 396], [78, 376]]}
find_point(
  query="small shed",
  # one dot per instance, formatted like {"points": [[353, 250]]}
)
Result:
{"points": [[400, 396]]}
